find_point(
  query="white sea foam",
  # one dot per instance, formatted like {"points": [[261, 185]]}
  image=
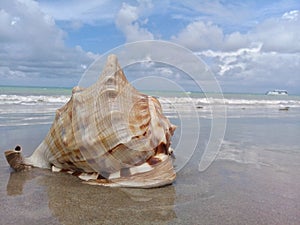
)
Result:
{"points": [[197, 102], [167, 101], [32, 99], [24, 124], [27, 106]]}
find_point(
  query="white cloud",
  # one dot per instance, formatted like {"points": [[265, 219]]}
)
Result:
{"points": [[253, 69], [235, 41], [87, 12], [232, 60], [199, 35], [291, 15], [267, 56], [280, 34], [127, 20], [32, 47]]}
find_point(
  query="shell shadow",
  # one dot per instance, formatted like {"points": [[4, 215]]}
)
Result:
{"points": [[17, 181]]}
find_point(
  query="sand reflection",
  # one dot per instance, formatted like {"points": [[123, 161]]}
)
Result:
{"points": [[17, 181], [73, 202]]}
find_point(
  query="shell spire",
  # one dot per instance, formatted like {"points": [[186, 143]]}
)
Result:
{"points": [[110, 134]]}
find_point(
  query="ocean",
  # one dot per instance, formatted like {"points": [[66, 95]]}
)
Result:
{"points": [[249, 144]]}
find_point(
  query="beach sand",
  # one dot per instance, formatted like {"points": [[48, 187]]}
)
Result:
{"points": [[254, 180]]}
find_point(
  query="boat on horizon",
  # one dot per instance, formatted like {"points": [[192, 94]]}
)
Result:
{"points": [[277, 92]]}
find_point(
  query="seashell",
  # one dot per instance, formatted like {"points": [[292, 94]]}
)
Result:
{"points": [[107, 134]]}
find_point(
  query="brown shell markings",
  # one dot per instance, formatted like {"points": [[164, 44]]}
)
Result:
{"points": [[107, 134]]}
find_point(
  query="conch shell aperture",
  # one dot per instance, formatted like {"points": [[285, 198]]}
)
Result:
{"points": [[108, 134]]}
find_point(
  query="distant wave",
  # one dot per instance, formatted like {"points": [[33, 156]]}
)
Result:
{"points": [[178, 101], [21, 110], [204, 102], [33, 99]]}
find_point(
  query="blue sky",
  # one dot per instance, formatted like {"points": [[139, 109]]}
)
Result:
{"points": [[251, 46]]}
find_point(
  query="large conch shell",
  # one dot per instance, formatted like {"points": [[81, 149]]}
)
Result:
{"points": [[108, 134]]}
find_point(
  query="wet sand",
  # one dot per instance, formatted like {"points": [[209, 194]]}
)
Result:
{"points": [[225, 194], [253, 181]]}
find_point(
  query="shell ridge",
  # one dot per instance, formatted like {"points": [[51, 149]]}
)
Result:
{"points": [[110, 134]]}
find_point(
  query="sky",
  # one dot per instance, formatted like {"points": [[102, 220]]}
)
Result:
{"points": [[250, 46]]}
